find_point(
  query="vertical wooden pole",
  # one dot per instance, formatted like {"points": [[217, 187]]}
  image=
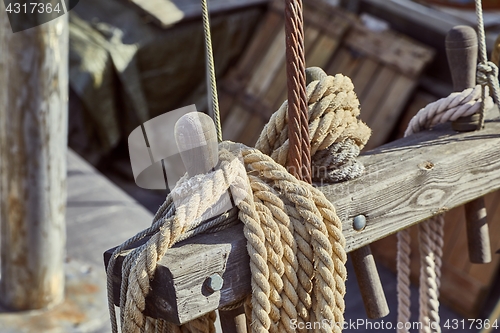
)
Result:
{"points": [[461, 49], [33, 137]]}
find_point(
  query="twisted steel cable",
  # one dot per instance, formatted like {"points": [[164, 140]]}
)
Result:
{"points": [[299, 161]]}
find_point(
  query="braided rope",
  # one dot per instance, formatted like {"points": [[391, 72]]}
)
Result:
{"points": [[213, 101], [299, 162]]}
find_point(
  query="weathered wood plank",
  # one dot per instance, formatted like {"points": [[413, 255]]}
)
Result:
{"points": [[416, 178], [406, 182], [180, 294]]}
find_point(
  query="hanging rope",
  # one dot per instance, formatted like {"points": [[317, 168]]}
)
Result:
{"points": [[487, 71], [299, 162], [213, 101], [295, 240]]}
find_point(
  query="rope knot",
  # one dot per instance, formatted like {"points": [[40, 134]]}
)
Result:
{"points": [[487, 72]]}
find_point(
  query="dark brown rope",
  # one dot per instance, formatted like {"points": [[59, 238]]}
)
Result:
{"points": [[299, 154]]}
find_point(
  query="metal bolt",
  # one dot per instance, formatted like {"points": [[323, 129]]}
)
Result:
{"points": [[359, 222], [214, 282]]}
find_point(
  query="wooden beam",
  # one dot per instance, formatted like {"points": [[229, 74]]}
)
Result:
{"points": [[415, 178], [406, 181]]}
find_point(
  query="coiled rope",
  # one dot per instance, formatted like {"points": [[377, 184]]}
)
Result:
{"points": [[295, 239]]}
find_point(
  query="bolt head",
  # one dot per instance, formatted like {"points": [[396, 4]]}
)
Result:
{"points": [[359, 222], [214, 282]]}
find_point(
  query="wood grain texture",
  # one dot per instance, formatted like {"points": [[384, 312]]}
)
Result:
{"points": [[416, 178], [178, 293], [406, 182], [33, 138]]}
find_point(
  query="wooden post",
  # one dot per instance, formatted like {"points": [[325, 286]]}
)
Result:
{"points": [[461, 49], [369, 283], [33, 137], [196, 139]]}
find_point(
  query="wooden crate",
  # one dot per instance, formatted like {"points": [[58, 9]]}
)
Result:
{"points": [[464, 286], [384, 67]]}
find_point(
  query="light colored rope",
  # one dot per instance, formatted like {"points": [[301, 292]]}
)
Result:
{"points": [[430, 238], [295, 239], [456, 105], [213, 100], [487, 71], [403, 280]]}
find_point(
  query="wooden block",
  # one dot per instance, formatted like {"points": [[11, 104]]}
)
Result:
{"points": [[180, 276], [226, 102], [465, 303], [322, 51], [453, 218]]}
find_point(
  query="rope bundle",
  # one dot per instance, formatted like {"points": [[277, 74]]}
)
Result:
{"points": [[295, 240], [336, 133]]}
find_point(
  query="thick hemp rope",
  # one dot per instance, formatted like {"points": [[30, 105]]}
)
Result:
{"points": [[295, 239]]}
